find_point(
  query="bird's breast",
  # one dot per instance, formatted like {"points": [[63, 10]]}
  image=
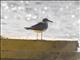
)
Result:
{"points": [[45, 26], [41, 26]]}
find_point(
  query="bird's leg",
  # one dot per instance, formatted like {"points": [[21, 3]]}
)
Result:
{"points": [[41, 35], [37, 35]]}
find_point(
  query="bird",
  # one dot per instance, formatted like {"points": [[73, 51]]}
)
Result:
{"points": [[39, 27]]}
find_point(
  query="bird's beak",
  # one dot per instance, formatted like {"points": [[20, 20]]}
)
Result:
{"points": [[50, 21]]}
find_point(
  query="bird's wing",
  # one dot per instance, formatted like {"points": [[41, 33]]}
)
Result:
{"points": [[38, 26]]}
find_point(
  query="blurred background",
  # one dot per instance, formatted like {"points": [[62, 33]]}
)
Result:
{"points": [[15, 15]]}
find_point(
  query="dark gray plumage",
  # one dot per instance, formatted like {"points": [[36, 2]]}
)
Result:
{"points": [[40, 27]]}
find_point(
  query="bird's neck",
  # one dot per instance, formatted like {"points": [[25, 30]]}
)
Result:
{"points": [[44, 22]]}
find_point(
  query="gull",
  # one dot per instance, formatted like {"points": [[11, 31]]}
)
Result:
{"points": [[39, 27]]}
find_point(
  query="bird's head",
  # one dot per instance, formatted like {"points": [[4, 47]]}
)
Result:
{"points": [[46, 20]]}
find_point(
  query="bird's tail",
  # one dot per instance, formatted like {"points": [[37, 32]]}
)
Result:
{"points": [[28, 28]]}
